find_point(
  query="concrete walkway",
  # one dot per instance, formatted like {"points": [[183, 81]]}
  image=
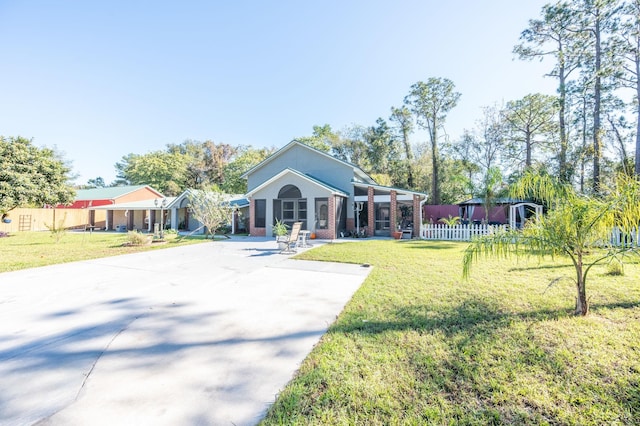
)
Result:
{"points": [[206, 334]]}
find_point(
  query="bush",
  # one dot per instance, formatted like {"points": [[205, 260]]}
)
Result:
{"points": [[136, 238]]}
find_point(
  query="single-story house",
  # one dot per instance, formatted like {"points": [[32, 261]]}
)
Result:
{"points": [[331, 197], [167, 212], [95, 197]]}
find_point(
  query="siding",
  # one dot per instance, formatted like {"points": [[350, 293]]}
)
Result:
{"points": [[307, 161]]}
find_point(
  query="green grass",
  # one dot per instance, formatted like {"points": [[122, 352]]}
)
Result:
{"points": [[418, 345], [23, 250]]}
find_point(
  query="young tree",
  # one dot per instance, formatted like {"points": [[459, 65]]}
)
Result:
{"points": [[31, 175], [487, 148], [211, 209], [430, 102], [575, 226]]}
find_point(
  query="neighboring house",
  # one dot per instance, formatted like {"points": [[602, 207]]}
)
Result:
{"points": [[329, 196], [96, 197], [167, 212]]}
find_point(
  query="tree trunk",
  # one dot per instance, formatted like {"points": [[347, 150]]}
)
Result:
{"points": [[597, 143], [409, 155], [434, 161], [582, 304], [564, 144], [637, 165], [528, 142]]}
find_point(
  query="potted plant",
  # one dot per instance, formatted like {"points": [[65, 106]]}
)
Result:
{"points": [[6, 218], [280, 231]]}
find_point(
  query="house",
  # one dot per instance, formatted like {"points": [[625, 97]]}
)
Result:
{"points": [[166, 212], [106, 218], [329, 196]]}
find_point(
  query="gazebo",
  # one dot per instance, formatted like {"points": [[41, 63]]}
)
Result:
{"points": [[518, 212]]}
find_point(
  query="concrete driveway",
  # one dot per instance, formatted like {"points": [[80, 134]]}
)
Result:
{"points": [[206, 334]]}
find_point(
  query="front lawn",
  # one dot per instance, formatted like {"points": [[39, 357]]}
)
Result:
{"points": [[21, 250], [417, 345]]}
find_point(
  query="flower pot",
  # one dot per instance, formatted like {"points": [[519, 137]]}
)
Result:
{"points": [[282, 241], [397, 235], [6, 220]]}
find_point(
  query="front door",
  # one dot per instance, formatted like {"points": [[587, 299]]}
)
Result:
{"points": [[383, 218]]}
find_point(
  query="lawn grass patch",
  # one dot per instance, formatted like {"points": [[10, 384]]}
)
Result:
{"points": [[22, 250], [418, 345]]}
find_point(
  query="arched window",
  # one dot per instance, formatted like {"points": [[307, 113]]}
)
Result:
{"points": [[289, 191]]}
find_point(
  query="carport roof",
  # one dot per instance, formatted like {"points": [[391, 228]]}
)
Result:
{"points": [[134, 205]]}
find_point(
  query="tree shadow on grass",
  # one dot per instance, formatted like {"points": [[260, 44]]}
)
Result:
{"points": [[432, 244], [483, 346]]}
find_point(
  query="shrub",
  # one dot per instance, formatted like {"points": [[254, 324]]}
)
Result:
{"points": [[136, 238]]}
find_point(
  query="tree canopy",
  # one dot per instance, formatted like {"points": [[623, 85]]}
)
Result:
{"points": [[31, 176]]}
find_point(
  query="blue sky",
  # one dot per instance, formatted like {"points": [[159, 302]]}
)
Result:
{"points": [[101, 79]]}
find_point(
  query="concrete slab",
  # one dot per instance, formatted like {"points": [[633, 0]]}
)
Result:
{"points": [[204, 334]]}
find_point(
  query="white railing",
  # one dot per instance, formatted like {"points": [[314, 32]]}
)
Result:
{"points": [[457, 232]]}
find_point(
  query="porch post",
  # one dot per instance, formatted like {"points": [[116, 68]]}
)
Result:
{"points": [[371, 212], [252, 217], [417, 216], [393, 195], [332, 217]]}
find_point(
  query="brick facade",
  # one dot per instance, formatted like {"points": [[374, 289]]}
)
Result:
{"points": [[371, 211], [253, 231], [416, 216], [393, 217]]}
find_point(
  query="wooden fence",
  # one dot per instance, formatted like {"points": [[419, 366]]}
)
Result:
{"points": [[40, 219]]}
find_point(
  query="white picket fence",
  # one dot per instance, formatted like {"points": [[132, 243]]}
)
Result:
{"points": [[627, 240], [467, 232], [458, 232]]}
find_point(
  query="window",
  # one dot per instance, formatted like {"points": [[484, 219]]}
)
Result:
{"points": [[322, 213], [260, 213]]}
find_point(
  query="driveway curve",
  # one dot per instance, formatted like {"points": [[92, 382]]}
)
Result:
{"points": [[205, 334]]}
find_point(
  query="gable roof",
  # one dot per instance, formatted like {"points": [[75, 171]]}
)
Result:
{"points": [[357, 170], [304, 176], [110, 193]]}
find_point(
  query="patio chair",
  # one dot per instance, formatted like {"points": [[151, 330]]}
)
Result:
{"points": [[293, 239]]}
